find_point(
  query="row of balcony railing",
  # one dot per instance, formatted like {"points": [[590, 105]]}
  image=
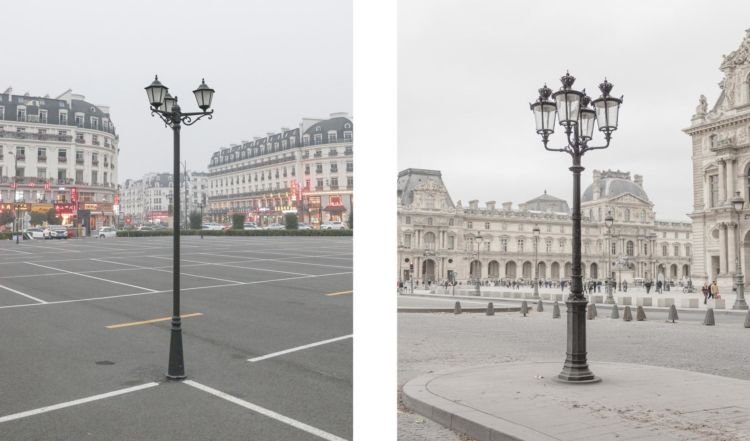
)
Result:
{"points": [[44, 120]]}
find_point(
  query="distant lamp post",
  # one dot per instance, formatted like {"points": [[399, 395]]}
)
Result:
{"points": [[167, 108], [537, 233], [478, 239], [571, 108], [203, 205], [608, 221], [739, 279]]}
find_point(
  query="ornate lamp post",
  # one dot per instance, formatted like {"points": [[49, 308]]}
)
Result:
{"points": [[537, 233], [478, 239], [608, 221], [739, 279], [166, 107], [571, 108]]}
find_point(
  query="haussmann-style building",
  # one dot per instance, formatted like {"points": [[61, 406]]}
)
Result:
{"points": [[307, 170], [59, 153]]}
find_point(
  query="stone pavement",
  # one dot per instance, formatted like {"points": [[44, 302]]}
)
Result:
{"points": [[522, 401]]}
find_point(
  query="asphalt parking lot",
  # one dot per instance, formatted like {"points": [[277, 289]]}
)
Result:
{"points": [[267, 335]]}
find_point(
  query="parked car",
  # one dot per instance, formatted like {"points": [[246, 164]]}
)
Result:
{"points": [[301, 226], [276, 226], [145, 228], [250, 226], [333, 225], [35, 233], [58, 232], [212, 226], [105, 232]]}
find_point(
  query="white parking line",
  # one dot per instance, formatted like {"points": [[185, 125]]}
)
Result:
{"points": [[167, 271], [263, 411], [33, 412], [22, 294], [92, 277], [299, 348], [257, 282], [224, 264]]}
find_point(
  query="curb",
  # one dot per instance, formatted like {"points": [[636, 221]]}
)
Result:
{"points": [[463, 419]]}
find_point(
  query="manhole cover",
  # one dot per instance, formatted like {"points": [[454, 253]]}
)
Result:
{"points": [[105, 362]]}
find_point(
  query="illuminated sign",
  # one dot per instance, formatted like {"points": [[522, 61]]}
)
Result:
{"points": [[61, 209], [74, 194]]}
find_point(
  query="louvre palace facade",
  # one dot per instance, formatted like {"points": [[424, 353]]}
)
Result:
{"points": [[441, 239], [721, 171]]}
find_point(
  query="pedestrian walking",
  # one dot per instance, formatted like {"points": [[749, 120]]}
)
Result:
{"points": [[714, 291], [706, 290]]}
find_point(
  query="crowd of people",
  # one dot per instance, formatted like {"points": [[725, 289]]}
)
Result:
{"points": [[589, 286]]}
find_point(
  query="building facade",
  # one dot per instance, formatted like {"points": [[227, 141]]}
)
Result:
{"points": [[444, 240], [59, 153], [721, 169], [307, 170], [148, 200]]}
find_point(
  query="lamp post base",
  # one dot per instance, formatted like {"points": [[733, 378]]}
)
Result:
{"points": [[176, 371], [576, 369]]}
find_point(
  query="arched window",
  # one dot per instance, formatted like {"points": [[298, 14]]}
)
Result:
{"points": [[629, 248]]}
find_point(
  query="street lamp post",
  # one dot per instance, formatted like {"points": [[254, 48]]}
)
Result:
{"points": [[17, 225], [608, 221], [167, 108], [537, 232], [571, 108], [203, 204], [739, 279], [478, 240]]}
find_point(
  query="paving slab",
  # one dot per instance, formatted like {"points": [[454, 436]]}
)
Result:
{"points": [[523, 401]]}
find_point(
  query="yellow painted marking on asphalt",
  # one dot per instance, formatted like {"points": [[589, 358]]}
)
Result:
{"points": [[145, 322], [340, 293]]}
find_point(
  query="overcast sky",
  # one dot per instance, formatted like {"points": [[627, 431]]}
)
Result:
{"points": [[271, 63], [468, 69]]}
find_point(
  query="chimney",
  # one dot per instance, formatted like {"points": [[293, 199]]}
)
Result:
{"points": [[638, 179], [596, 186], [284, 129], [490, 205], [507, 206], [474, 205]]}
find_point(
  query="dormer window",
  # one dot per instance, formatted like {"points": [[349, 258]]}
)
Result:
{"points": [[21, 113], [348, 136], [95, 123], [79, 119], [318, 138], [64, 117], [332, 136]]}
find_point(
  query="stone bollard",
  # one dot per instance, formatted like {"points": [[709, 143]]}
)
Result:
{"points": [[457, 308], [627, 315], [640, 314], [524, 308], [591, 311], [709, 320], [556, 312], [747, 320], [615, 312], [672, 314], [539, 306], [490, 309]]}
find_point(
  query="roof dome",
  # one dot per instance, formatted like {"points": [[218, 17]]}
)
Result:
{"points": [[612, 187]]}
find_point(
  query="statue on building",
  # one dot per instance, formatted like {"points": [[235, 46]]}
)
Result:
{"points": [[702, 108]]}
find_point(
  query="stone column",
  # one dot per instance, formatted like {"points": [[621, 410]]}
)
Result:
{"points": [[722, 181], [731, 177], [723, 248], [731, 247]]}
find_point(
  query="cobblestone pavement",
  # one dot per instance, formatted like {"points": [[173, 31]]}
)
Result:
{"points": [[435, 342]]}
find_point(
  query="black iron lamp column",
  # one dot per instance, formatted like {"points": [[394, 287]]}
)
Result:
{"points": [[537, 232], [478, 239], [608, 221], [166, 107], [571, 108], [203, 204], [739, 279]]}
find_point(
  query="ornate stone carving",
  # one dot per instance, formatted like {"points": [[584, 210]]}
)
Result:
{"points": [[738, 57]]}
